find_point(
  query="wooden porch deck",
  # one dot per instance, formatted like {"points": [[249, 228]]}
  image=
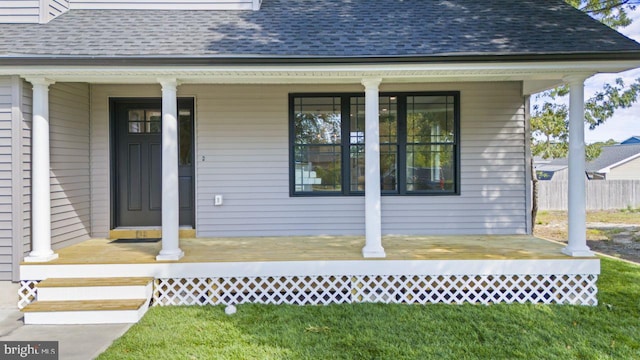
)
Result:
{"points": [[341, 248], [331, 269]]}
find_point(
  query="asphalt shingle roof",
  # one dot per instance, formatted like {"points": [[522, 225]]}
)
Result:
{"points": [[611, 155], [632, 140], [550, 164], [322, 28]]}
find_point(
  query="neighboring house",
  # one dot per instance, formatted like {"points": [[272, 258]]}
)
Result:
{"points": [[276, 118], [551, 169], [616, 162], [631, 140]]}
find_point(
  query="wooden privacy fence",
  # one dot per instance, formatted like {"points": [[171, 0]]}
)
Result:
{"points": [[601, 194]]}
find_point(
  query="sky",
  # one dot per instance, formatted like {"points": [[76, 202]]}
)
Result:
{"points": [[625, 122]]}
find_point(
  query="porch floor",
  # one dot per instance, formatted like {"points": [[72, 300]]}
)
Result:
{"points": [[266, 249]]}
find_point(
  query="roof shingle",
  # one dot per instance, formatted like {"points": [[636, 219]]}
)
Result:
{"points": [[322, 28], [612, 155]]}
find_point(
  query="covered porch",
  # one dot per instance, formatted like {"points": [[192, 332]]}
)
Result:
{"points": [[330, 269], [242, 152], [103, 199]]}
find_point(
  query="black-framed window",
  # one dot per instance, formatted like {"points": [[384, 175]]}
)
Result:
{"points": [[419, 137]]}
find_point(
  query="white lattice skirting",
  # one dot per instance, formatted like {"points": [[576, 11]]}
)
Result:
{"points": [[576, 289], [27, 292]]}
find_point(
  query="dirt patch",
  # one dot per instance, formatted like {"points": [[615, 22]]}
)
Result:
{"points": [[621, 240]]}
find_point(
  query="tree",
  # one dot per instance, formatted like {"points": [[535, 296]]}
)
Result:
{"points": [[614, 13], [549, 123]]}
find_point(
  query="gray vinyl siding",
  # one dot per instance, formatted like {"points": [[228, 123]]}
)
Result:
{"points": [[69, 156], [6, 183], [164, 5], [243, 136], [242, 153], [70, 180], [493, 178], [19, 11], [17, 166], [246, 160], [27, 112]]}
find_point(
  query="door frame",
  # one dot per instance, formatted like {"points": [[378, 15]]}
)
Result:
{"points": [[114, 142]]}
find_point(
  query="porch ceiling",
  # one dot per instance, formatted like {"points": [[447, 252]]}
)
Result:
{"points": [[536, 76], [318, 248]]}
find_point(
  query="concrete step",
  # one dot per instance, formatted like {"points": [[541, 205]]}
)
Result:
{"points": [[95, 288], [85, 311]]}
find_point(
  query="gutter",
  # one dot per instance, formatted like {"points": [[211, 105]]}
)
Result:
{"points": [[177, 60]]}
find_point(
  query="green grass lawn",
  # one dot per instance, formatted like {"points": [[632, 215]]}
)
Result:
{"points": [[377, 331]]}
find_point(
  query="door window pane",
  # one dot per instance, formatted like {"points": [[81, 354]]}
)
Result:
{"points": [[185, 131], [143, 121], [136, 121], [154, 121]]}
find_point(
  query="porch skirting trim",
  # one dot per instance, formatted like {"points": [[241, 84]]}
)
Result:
{"points": [[575, 289]]}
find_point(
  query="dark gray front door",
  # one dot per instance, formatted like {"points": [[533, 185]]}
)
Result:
{"points": [[138, 161]]}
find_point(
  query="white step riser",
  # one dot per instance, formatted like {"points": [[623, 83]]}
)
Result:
{"points": [[95, 293], [85, 317]]}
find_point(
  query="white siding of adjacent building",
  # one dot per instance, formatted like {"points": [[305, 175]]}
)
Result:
{"points": [[70, 181], [242, 154], [20, 11], [166, 4], [42, 11], [31, 11], [627, 171]]}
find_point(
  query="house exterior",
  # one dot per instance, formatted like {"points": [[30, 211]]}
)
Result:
{"points": [[282, 118], [631, 140], [616, 162], [555, 170]]}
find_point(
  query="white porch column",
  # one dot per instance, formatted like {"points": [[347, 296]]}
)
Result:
{"points": [[170, 202], [40, 177], [373, 212], [577, 189]]}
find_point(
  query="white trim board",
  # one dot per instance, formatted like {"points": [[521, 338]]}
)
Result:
{"points": [[535, 74], [313, 268]]}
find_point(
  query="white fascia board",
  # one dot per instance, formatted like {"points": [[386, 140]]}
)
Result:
{"points": [[535, 86], [589, 265], [607, 169], [551, 72]]}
